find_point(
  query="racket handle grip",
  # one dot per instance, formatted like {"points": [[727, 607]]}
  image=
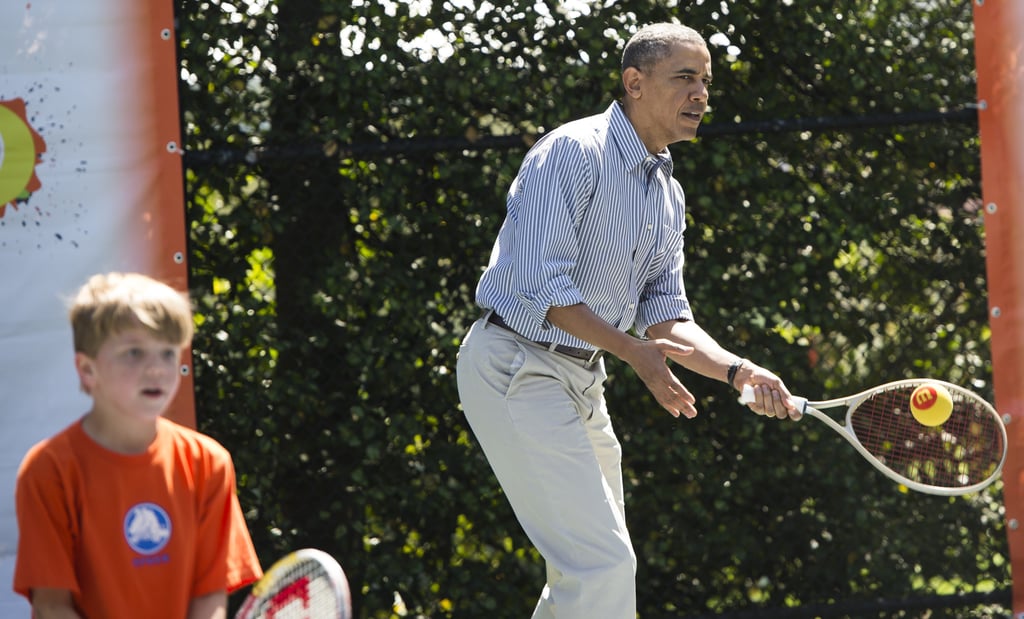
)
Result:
{"points": [[747, 397]]}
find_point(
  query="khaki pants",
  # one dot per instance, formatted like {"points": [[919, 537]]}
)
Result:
{"points": [[541, 420]]}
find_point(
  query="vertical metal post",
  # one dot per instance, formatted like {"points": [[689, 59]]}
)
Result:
{"points": [[999, 51]]}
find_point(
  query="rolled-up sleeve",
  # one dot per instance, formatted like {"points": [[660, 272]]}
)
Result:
{"points": [[545, 207]]}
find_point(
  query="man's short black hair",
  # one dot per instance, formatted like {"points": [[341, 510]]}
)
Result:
{"points": [[654, 42]]}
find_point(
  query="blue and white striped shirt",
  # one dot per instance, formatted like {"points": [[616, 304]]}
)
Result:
{"points": [[592, 218]]}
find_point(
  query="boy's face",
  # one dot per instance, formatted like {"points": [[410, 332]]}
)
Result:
{"points": [[133, 375]]}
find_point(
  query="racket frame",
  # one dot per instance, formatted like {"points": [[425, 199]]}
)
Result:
{"points": [[813, 408], [336, 580]]}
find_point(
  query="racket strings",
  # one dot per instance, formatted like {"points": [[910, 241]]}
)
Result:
{"points": [[963, 451], [303, 590]]}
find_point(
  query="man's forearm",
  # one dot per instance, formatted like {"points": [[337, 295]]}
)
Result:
{"points": [[580, 321], [709, 358]]}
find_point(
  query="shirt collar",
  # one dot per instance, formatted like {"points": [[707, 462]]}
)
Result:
{"points": [[631, 147]]}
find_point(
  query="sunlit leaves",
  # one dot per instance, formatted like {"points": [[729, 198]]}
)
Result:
{"points": [[342, 204]]}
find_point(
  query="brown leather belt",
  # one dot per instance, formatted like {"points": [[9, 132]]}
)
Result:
{"points": [[585, 354]]}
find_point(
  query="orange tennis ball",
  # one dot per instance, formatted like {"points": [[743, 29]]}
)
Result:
{"points": [[931, 404]]}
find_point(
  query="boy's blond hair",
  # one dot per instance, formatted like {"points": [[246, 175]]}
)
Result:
{"points": [[113, 302]]}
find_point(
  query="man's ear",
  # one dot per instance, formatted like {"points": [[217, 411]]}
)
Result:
{"points": [[631, 81]]}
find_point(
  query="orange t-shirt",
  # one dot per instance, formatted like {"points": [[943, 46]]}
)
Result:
{"points": [[131, 535]]}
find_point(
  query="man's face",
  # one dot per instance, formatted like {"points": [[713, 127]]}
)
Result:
{"points": [[673, 96]]}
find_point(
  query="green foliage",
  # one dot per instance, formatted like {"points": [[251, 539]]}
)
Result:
{"points": [[343, 198]]}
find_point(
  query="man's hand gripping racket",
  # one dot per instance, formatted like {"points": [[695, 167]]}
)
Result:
{"points": [[963, 454], [305, 584]]}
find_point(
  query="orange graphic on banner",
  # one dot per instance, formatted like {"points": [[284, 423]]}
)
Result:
{"points": [[20, 150]]}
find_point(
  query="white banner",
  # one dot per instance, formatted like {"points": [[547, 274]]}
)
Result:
{"points": [[90, 181]]}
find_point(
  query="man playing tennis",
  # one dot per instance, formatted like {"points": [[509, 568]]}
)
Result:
{"points": [[592, 249]]}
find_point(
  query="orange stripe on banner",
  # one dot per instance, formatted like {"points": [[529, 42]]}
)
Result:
{"points": [[163, 221], [999, 50]]}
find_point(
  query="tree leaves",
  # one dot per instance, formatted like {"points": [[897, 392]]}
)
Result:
{"points": [[347, 164]]}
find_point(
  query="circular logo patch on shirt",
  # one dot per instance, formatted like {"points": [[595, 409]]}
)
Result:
{"points": [[147, 528]]}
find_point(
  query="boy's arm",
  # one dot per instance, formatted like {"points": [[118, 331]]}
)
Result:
{"points": [[210, 606], [53, 604]]}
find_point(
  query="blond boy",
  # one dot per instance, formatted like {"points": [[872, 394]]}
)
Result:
{"points": [[125, 513]]}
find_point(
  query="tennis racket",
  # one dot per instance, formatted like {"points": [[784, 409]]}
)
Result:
{"points": [[304, 584], [963, 454]]}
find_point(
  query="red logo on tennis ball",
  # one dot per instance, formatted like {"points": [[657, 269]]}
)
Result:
{"points": [[931, 405], [925, 397]]}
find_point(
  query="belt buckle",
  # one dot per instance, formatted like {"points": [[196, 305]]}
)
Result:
{"points": [[594, 356]]}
